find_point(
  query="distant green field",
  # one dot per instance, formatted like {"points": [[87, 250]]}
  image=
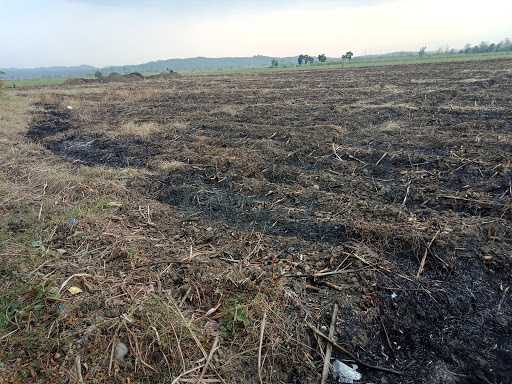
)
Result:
{"points": [[33, 82], [437, 58], [355, 63], [368, 62], [384, 61]]}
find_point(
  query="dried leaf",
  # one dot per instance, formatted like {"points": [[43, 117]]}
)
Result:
{"points": [[74, 290]]}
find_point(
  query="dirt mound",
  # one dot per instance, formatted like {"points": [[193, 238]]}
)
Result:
{"points": [[118, 78], [164, 76], [111, 78]]}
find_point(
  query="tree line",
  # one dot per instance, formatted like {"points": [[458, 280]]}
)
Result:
{"points": [[322, 58], [307, 59], [484, 47]]}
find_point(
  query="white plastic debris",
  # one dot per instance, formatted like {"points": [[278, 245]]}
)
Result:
{"points": [[70, 107], [344, 374], [394, 296], [121, 351]]}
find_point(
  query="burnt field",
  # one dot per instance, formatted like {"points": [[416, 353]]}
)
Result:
{"points": [[212, 223]]}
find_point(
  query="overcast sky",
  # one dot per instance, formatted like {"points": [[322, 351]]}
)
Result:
{"points": [[113, 32]]}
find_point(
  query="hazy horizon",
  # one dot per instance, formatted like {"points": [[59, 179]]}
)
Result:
{"points": [[112, 32]]}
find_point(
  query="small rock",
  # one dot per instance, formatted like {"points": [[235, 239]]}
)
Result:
{"points": [[317, 187], [209, 229], [121, 351]]}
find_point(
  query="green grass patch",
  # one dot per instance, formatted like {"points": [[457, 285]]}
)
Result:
{"points": [[25, 302], [8, 307]]}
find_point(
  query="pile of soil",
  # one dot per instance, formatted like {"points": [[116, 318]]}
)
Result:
{"points": [[119, 78], [163, 76]]}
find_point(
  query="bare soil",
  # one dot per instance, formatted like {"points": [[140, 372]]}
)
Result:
{"points": [[279, 194]]}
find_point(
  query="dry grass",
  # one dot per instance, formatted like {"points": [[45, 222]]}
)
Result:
{"points": [[135, 129], [229, 109], [169, 333]]}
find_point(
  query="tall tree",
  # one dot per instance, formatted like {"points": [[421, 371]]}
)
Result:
{"points": [[348, 56], [309, 59], [322, 58], [301, 59]]}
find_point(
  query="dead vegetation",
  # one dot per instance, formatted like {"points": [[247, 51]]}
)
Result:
{"points": [[204, 231]]}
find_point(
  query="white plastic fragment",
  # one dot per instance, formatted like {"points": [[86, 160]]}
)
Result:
{"points": [[69, 107], [344, 374], [121, 351]]}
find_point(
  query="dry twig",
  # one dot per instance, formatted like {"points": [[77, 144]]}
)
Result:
{"points": [[407, 193], [350, 354], [382, 158], [262, 332], [424, 259], [78, 366], [209, 359], [328, 351]]}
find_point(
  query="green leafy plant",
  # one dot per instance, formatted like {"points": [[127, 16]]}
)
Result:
{"points": [[235, 318], [8, 309]]}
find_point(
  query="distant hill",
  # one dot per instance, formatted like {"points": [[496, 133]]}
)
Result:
{"points": [[190, 64], [46, 72], [201, 64]]}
